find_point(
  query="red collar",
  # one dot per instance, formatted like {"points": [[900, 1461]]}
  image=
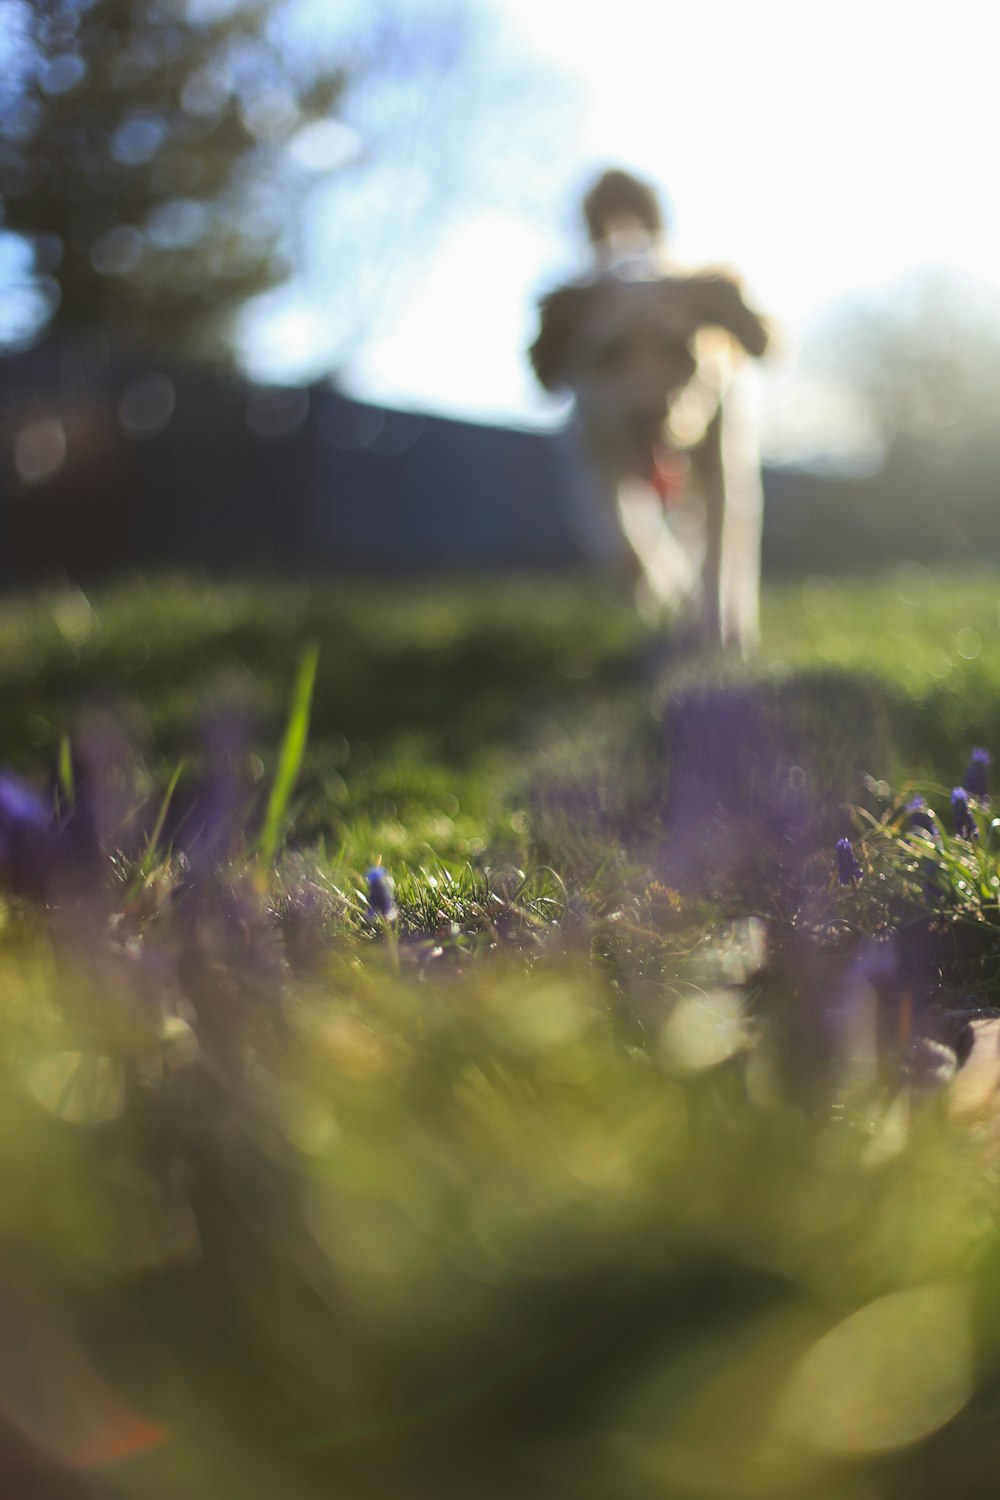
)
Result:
{"points": [[668, 473]]}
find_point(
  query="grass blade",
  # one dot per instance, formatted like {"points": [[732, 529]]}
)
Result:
{"points": [[292, 749], [152, 851], [64, 772]]}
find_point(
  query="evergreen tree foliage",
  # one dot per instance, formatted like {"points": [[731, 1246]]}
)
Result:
{"points": [[148, 156]]}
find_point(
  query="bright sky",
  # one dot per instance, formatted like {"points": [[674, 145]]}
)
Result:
{"points": [[820, 150]]}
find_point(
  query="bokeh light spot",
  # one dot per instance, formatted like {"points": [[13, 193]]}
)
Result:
{"points": [[324, 146], [888, 1375], [40, 450], [63, 73], [82, 1088], [969, 643], [147, 405], [117, 251], [277, 413], [138, 140], [703, 1030]]}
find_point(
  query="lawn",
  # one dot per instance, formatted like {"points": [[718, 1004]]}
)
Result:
{"points": [[620, 1150]]}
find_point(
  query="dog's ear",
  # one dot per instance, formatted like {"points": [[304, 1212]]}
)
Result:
{"points": [[616, 199], [718, 302], [551, 354]]}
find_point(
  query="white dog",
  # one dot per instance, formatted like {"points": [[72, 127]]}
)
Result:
{"points": [[661, 457]]}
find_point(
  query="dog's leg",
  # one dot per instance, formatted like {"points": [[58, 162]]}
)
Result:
{"points": [[587, 502], [726, 465], [709, 475], [739, 584], [665, 573]]}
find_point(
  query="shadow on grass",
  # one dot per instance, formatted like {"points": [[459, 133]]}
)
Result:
{"points": [[734, 781]]}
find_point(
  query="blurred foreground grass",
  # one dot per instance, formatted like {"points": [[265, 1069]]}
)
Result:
{"points": [[568, 1181]]}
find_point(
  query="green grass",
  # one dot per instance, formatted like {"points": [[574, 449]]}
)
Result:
{"points": [[436, 715], [930, 642], [426, 704], [565, 1184]]}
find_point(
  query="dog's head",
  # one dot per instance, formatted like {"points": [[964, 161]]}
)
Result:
{"points": [[625, 343]]}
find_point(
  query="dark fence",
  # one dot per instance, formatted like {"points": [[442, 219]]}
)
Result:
{"points": [[108, 464]]}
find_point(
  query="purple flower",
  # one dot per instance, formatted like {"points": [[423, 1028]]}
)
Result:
{"points": [[976, 778], [848, 869], [965, 826], [381, 902], [20, 804], [215, 821], [919, 815], [25, 836]]}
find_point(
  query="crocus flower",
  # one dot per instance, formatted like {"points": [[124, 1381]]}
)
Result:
{"points": [[381, 902], [848, 869], [976, 778], [919, 815], [965, 826]]}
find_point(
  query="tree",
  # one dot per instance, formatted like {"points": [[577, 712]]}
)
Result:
{"points": [[924, 359], [154, 154]]}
